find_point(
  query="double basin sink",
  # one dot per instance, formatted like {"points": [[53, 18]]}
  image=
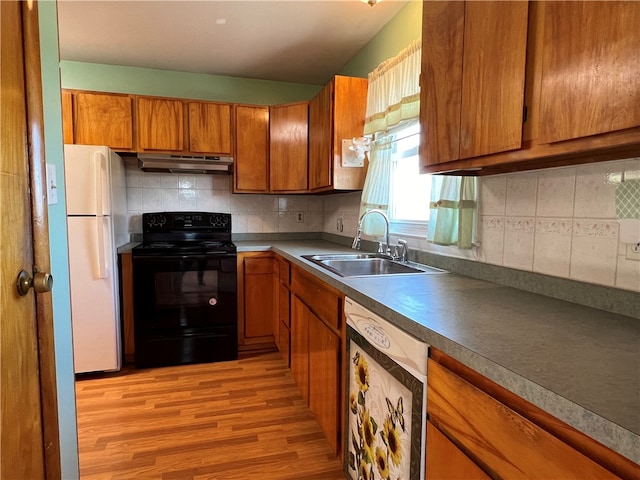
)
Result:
{"points": [[368, 264]]}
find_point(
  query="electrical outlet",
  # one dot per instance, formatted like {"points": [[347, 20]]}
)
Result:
{"points": [[633, 251], [340, 224], [300, 217]]}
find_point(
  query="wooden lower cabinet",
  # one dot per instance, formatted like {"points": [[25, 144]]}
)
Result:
{"points": [[324, 378], [445, 461], [257, 300], [283, 320], [126, 300], [316, 346], [503, 434], [300, 318]]}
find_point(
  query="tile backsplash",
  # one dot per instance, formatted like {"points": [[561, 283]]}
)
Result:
{"points": [[162, 192], [560, 222]]}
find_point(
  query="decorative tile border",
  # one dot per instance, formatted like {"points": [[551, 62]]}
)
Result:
{"points": [[596, 228], [520, 224], [493, 223], [557, 226]]}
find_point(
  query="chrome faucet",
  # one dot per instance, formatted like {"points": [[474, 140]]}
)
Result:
{"points": [[384, 249]]}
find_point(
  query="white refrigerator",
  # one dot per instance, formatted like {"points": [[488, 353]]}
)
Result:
{"points": [[96, 200]]}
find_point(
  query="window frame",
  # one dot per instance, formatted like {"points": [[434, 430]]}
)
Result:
{"points": [[399, 226]]}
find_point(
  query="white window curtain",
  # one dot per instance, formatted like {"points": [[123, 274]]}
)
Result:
{"points": [[453, 217], [394, 91], [375, 193], [393, 96]]}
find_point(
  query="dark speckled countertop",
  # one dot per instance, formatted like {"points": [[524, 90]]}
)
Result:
{"points": [[578, 363]]}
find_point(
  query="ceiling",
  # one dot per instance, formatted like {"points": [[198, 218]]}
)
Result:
{"points": [[299, 41]]}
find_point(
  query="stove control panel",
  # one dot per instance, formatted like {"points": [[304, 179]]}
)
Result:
{"points": [[185, 221]]}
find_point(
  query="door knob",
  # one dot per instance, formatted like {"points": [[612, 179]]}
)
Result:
{"points": [[41, 282]]}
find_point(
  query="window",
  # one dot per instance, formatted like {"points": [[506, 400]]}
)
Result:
{"points": [[409, 192]]}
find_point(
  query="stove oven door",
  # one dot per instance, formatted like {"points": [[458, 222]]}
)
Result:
{"points": [[185, 308]]}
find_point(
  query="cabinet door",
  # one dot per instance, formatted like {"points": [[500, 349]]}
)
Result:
{"points": [[252, 149], [102, 119], [259, 297], [321, 138], [445, 461], [510, 445], [324, 378], [160, 124], [472, 82], [590, 64], [288, 159], [209, 128], [67, 116], [300, 318], [349, 110]]}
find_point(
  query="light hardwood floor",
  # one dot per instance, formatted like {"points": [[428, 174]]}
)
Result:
{"points": [[238, 420]]}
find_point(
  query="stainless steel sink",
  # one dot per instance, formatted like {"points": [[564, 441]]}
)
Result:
{"points": [[368, 264]]}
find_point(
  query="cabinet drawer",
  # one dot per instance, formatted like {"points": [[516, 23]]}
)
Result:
{"points": [[257, 266], [500, 439], [321, 299]]}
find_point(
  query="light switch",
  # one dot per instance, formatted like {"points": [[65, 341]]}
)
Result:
{"points": [[52, 185]]}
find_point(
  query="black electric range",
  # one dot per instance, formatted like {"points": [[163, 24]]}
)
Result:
{"points": [[185, 289]]}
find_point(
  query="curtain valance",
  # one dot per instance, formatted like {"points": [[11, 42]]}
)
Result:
{"points": [[394, 90]]}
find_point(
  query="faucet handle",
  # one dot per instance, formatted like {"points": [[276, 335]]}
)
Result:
{"points": [[402, 249]]}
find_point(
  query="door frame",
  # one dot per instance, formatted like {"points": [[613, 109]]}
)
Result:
{"points": [[40, 229]]}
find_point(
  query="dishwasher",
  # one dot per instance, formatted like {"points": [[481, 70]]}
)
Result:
{"points": [[385, 398]]}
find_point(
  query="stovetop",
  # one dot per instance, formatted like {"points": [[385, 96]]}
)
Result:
{"points": [[185, 233]]}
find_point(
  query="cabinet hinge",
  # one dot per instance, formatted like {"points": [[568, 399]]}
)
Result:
{"points": [[525, 110]]}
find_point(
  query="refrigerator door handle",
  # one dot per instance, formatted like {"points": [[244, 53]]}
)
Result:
{"points": [[101, 260], [99, 165]]}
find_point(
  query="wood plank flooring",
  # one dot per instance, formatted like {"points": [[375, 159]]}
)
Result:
{"points": [[238, 420]]}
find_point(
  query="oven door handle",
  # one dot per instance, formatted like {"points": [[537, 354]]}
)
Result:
{"points": [[168, 258]]}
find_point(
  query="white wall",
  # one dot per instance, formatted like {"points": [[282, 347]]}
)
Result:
{"points": [[559, 222]]}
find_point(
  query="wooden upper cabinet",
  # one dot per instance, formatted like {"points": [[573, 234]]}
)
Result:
{"points": [[288, 158], [321, 138], [252, 149], [67, 116], [336, 113], [590, 69], [578, 62], [98, 119], [472, 82], [160, 124], [210, 127]]}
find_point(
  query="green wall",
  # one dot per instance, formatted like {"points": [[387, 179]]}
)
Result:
{"points": [[65, 378], [403, 29], [165, 83]]}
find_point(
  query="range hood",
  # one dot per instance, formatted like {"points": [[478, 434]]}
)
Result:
{"points": [[154, 162]]}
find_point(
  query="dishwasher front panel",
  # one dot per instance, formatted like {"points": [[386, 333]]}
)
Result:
{"points": [[385, 417]]}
